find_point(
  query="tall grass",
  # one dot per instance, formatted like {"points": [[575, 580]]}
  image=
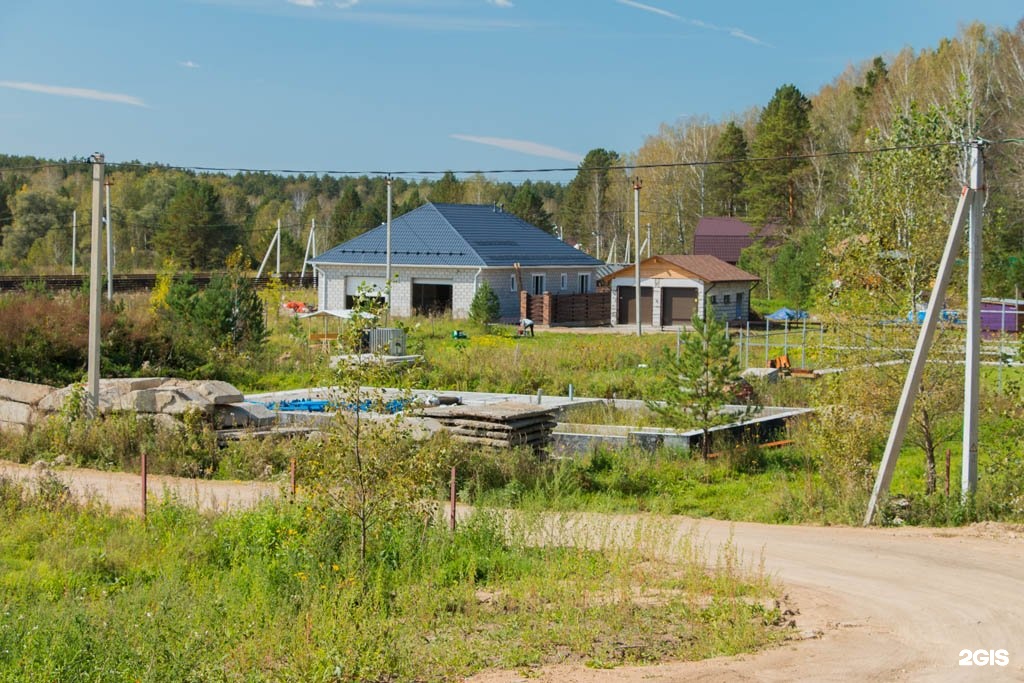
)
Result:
{"points": [[275, 594]]}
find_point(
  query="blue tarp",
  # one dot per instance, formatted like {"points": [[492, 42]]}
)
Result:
{"points": [[787, 314]]}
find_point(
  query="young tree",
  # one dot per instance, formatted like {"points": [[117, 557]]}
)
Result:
{"points": [[485, 307], [698, 381], [368, 466]]}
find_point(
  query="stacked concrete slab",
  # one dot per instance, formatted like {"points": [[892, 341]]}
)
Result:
{"points": [[503, 425], [19, 403], [23, 405]]}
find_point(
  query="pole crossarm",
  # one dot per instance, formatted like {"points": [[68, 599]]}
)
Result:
{"points": [[924, 342]]}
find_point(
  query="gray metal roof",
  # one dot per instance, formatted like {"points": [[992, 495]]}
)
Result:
{"points": [[478, 235]]}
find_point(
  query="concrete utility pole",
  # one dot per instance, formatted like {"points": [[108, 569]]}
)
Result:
{"points": [[972, 367], [637, 184], [94, 286], [971, 202], [387, 253], [110, 246], [74, 238], [277, 236]]}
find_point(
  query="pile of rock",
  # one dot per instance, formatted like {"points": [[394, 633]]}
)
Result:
{"points": [[19, 403], [23, 404]]}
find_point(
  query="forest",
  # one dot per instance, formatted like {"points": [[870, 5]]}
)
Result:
{"points": [[860, 180]]}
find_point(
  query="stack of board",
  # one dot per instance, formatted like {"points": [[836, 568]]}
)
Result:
{"points": [[502, 425]]}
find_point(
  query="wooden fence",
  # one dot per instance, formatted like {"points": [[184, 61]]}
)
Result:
{"points": [[567, 309]]}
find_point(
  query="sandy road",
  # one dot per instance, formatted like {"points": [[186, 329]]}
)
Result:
{"points": [[891, 604]]}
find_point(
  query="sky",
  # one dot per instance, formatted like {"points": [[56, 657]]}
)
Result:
{"points": [[376, 86]]}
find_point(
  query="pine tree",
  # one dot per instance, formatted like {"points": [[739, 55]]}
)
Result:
{"points": [[782, 131], [698, 381], [725, 180]]}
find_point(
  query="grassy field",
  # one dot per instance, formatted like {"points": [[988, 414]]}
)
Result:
{"points": [[280, 594]]}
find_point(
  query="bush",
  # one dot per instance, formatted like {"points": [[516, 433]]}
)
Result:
{"points": [[485, 307]]}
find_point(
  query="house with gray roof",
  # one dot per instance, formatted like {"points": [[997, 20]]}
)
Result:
{"points": [[441, 253]]}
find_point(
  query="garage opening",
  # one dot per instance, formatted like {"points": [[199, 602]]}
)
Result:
{"points": [[627, 305], [373, 287], [432, 298], [678, 305]]}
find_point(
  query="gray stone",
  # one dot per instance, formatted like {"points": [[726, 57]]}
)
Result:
{"points": [[218, 393], [234, 415], [766, 374], [23, 392], [182, 400], [18, 413], [13, 428]]}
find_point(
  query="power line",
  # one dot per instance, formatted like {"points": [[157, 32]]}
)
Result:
{"points": [[560, 169]]}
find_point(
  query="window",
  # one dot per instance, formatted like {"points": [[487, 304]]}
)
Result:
{"points": [[565, 281], [714, 299], [539, 284], [584, 283], [512, 283], [726, 298]]}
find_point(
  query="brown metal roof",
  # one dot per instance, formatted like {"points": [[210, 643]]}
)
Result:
{"points": [[725, 237], [703, 267]]}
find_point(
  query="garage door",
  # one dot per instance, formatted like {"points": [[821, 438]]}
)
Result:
{"points": [[627, 305], [678, 305]]}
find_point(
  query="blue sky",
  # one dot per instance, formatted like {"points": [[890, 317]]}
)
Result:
{"points": [[410, 85]]}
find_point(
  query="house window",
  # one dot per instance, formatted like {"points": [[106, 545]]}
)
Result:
{"points": [[565, 281], [584, 283], [539, 284], [512, 283], [714, 299], [727, 299]]}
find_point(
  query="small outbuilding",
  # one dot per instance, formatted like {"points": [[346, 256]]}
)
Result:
{"points": [[675, 288], [726, 237]]}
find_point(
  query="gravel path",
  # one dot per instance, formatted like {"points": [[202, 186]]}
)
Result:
{"points": [[874, 604]]}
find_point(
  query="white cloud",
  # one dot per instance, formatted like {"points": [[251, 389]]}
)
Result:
{"points": [[649, 8], [188, 64], [304, 3], [345, 4], [82, 93], [500, 3], [729, 30], [523, 146]]}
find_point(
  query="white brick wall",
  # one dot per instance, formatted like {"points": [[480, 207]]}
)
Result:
{"points": [[724, 311]]}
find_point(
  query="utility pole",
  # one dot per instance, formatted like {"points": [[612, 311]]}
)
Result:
{"points": [[972, 366], [969, 209], [637, 184], [387, 253], [94, 287], [648, 240], [277, 236], [74, 238], [110, 246]]}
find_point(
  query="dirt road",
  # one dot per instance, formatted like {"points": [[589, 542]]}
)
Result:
{"points": [[890, 604]]}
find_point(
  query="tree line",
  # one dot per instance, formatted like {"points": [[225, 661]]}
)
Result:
{"points": [[848, 227]]}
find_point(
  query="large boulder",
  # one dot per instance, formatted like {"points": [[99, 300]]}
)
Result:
{"points": [[23, 392], [237, 415]]}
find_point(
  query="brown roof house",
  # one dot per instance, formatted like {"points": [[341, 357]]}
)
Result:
{"points": [[725, 237], [674, 288]]}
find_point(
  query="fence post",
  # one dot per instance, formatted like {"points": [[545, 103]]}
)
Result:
{"points": [[451, 519], [803, 347], [291, 468], [144, 482], [767, 333], [524, 304], [747, 347]]}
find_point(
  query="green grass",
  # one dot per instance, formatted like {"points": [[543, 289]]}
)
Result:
{"points": [[276, 594]]}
